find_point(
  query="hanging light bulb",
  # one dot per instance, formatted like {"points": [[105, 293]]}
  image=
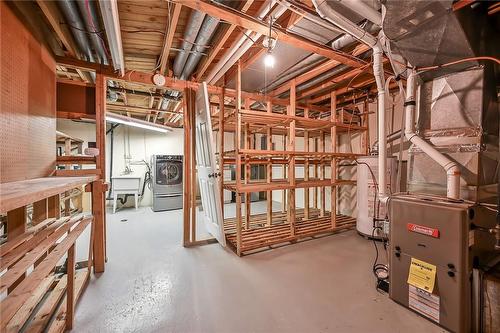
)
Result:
{"points": [[269, 60], [269, 43]]}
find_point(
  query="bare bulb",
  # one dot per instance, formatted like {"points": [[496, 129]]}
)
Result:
{"points": [[269, 60]]}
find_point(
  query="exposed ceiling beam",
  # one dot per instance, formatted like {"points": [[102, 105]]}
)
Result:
{"points": [[248, 22], [208, 60], [344, 90], [49, 9], [146, 79], [169, 37], [320, 69], [288, 22]]}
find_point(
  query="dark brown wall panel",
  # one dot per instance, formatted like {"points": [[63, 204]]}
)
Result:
{"points": [[28, 108], [75, 98]]}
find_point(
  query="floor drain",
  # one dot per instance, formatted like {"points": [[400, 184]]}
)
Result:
{"points": [[123, 220]]}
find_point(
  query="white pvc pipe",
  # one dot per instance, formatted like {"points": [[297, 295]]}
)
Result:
{"points": [[451, 168], [325, 11], [378, 72]]}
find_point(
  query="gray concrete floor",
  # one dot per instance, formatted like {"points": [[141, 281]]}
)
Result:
{"points": [[153, 284]]}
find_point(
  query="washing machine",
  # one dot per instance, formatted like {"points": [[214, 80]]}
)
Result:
{"points": [[167, 182]]}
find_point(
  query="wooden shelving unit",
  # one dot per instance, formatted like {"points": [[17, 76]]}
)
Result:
{"points": [[40, 294], [249, 232]]}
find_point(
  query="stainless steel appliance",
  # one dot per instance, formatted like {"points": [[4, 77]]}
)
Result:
{"points": [[430, 231], [167, 182]]}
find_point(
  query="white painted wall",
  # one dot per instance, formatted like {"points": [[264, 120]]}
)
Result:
{"points": [[143, 144]]}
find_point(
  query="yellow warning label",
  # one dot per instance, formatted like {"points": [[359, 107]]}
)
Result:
{"points": [[422, 275]]}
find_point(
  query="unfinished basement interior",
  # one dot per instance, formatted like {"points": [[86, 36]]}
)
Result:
{"points": [[245, 166]]}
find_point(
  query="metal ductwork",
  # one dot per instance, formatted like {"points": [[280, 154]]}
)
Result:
{"points": [[199, 32], [73, 19], [427, 33], [205, 34], [348, 39], [242, 45], [192, 27], [89, 13]]}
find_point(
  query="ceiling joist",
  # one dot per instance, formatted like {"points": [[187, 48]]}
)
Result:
{"points": [[235, 17]]}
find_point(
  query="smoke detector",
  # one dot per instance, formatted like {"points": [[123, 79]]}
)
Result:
{"points": [[159, 80]]}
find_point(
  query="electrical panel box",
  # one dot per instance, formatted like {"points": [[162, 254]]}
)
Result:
{"points": [[434, 244]]}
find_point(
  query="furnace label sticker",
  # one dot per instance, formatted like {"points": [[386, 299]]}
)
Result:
{"points": [[424, 303], [422, 275]]}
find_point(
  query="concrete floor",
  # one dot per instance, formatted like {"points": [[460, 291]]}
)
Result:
{"points": [[153, 284]]}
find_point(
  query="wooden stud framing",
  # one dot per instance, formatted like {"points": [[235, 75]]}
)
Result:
{"points": [[169, 36]]}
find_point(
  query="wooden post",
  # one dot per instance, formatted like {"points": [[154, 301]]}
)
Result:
{"points": [[269, 169], [323, 169], [315, 175], [306, 176], [333, 166], [100, 108], [16, 222], [99, 230], [70, 288], [39, 211], [247, 142], [237, 143], [291, 165], [283, 171], [187, 168], [238, 224], [53, 206], [100, 121], [194, 178]]}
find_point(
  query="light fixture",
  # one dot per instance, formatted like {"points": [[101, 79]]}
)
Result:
{"points": [[269, 60], [128, 121], [269, 42]]}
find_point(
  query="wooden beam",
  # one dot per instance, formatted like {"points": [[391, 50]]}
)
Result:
{"points": [[169, 37], [49, 9], [171, 83], [98, 213], [248, 22]]}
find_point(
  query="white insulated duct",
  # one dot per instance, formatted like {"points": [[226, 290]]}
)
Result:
{"points": [[325, 11], [451, 168]]}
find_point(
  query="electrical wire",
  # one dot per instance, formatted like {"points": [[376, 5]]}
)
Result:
{"points": [[425, 69]]}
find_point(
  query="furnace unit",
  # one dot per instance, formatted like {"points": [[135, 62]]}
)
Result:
{"points": [[436, 243]]}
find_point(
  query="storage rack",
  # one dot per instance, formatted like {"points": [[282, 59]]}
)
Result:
{"points": [[246, 232], [40, 293]]}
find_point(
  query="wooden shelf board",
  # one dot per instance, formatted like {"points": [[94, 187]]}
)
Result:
{"points": [[21, 193], [76, 159], [265, 237], [282, 184]]}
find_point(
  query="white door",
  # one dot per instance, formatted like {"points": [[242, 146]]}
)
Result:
{"points": [[207, 169]]}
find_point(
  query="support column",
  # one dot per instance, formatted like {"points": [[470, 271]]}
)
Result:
{"points": [[333, 166], [269, 169]]}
